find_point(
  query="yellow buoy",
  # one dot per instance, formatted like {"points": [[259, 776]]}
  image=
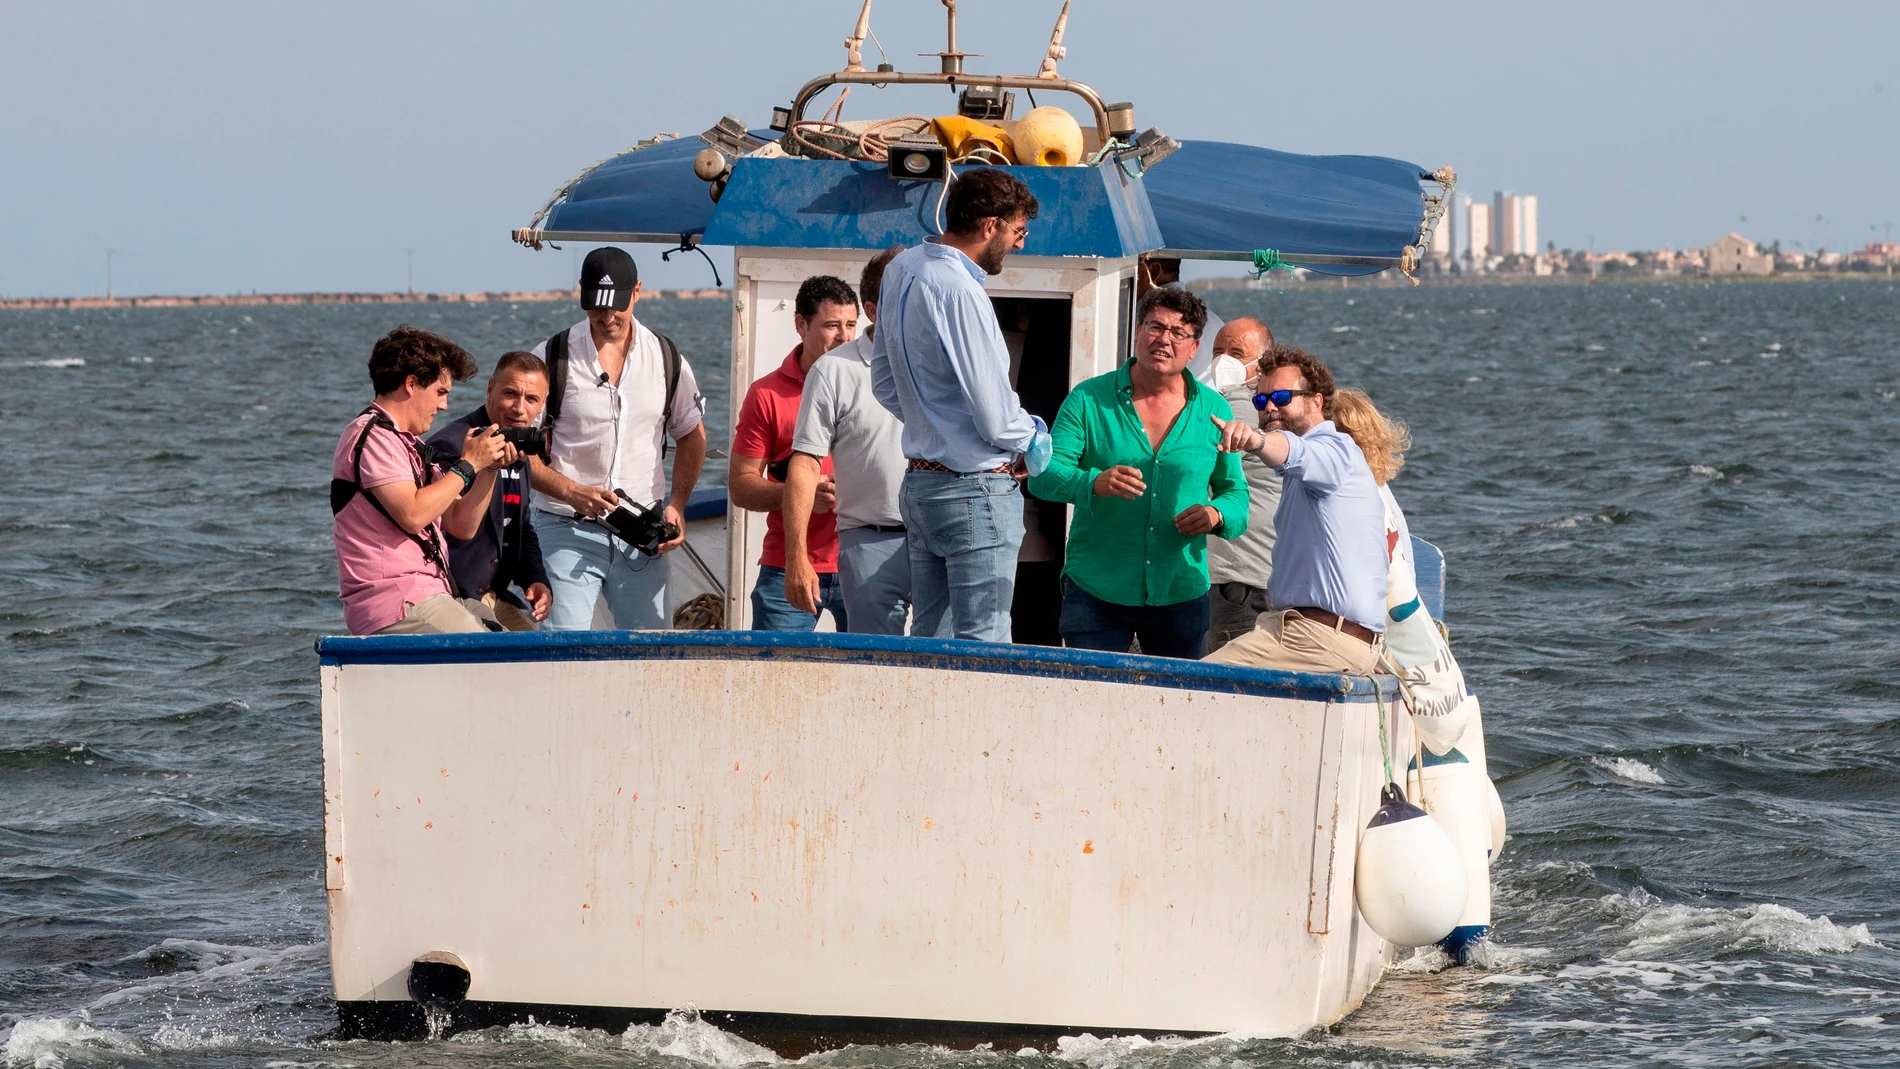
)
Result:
{"points": [[1048, 137]]}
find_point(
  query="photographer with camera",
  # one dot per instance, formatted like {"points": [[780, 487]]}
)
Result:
{"points": [[504, 552], [391, 501], [616, 392]]}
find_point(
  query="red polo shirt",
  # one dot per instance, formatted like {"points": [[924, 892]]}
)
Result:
{"points": [[766, 421]]}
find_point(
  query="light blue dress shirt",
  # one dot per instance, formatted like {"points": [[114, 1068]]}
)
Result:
{"points": [[1329, 548], [939, 364]]}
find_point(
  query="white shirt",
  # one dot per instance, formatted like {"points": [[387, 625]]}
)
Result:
{"points": [[611, 435]]}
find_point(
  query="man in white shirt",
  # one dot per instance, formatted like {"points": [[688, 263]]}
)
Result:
{"points": [[618, 391]]}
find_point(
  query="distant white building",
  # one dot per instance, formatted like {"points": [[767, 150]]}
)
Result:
{"points": [[1513, 224], [1736, 255], [1478, 226], [1527, 225]]}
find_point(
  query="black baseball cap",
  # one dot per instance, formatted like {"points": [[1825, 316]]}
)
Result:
{"points": [[607, 279]]}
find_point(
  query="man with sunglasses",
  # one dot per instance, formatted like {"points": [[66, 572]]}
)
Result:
{"points": [[1136, 452], [1327, 592]]}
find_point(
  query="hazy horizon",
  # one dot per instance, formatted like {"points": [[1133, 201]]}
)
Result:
{"points": [[223, 149]]}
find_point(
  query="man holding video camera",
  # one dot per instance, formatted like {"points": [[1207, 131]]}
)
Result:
{"points": [[504, 553], [616, 392]]}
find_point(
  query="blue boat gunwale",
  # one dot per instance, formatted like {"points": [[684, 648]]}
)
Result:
{"points": [[825, 647]]}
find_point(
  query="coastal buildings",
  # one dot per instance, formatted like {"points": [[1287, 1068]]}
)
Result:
{"points": [[1483, 236], [1736, 255]]}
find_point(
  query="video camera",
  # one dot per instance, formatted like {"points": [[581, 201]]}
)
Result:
{"points": [[643, 527]]}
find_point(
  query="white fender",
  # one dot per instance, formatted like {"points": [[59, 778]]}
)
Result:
{"points": [[1408, 878], [1452, 791], [1472, 746]]}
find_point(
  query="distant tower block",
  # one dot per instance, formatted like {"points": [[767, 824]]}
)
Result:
{"points": [[1527, 225], [1478, 226], [1506, 235]]}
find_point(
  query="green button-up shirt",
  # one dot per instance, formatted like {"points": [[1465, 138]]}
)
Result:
{"points": [[1128, 552]]}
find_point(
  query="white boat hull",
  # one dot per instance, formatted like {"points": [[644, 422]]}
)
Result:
{"points": [[847, 827]]}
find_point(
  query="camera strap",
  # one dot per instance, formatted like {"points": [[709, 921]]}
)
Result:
{"points": [[342, 490]]}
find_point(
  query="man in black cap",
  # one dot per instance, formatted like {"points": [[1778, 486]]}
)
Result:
{"points": [[617, 391]]}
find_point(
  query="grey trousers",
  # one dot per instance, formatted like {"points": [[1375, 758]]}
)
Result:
{"points": [[1236, 607]]}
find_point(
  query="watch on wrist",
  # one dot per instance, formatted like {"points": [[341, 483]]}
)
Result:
{"points": [[466, 471]]}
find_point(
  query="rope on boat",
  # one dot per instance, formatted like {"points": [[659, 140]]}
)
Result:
{"points": [[1385, 743]]}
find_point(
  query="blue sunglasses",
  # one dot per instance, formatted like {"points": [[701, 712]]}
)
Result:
{"points": [[1279, 398]]}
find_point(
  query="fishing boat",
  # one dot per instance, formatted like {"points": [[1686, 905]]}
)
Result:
{"points": [[830, 838]]}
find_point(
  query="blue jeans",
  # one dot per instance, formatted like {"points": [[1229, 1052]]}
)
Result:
{"points": [[771, 612], [874, 570], [581, 562], [1178, 630], [964, 532]]}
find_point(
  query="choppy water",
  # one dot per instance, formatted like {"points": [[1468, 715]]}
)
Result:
{"points": [[1672, 521]]}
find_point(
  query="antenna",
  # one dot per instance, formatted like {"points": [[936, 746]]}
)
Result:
{"points": [[854, 44], [952, 59], [1056, 51]]}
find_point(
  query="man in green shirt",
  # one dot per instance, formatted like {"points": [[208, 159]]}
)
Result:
{"points": [[1137, 455]]}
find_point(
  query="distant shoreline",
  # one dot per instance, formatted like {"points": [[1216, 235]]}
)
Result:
{"points": [[245, 300]]}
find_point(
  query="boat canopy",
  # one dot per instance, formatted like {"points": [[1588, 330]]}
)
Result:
{"points": [[1211, 200]]}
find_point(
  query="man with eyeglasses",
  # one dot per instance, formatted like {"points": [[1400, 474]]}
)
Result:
{"points": [[1138, 452], [1327, 593], [940, 365], [1238, 568]]}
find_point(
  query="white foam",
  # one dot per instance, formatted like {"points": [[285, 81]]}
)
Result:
{"points": [[39, 1043], [1628, 768], [1593, 348], [1862, 1022], [209, 961], [1704, 469], [1344, 330], [1766, 926], [685, 1035], [58, 361]]}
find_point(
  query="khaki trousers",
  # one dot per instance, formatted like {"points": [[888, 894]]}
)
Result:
{"points": [[1290, 642], [509, 617], [441, 614]]}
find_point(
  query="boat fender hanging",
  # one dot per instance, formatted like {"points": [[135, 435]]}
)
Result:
{"points": [[1408, 880], [1047, 137], [1454, 792]]}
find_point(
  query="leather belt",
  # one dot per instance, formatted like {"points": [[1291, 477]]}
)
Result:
{"points": [[881, 528], [1339, 623], [917, 464]]}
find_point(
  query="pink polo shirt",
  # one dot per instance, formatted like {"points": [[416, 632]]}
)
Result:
{"points": [[381, 571]]}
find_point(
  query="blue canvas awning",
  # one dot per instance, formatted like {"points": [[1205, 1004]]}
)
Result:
{"points": [[1216, 200], [1345, 215]]}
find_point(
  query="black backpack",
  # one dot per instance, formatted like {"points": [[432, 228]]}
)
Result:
{"points": [[343, 490], [557, 381]]}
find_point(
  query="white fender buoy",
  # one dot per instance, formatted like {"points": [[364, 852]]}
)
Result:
{"points": [[1408, 880], [1451, 790], [1472, 745]]}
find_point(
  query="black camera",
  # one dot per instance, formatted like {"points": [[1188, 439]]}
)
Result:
{"points": [[643, 527], [531, 441]]}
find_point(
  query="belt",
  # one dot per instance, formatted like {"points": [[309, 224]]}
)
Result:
{"points": [[880, 528], [1339, 623], [931, 465]]}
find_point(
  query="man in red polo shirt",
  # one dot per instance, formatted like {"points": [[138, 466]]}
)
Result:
{"points": [[825, 315]]}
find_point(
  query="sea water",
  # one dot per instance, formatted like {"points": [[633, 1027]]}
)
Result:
{"points": [[1671, 518]]}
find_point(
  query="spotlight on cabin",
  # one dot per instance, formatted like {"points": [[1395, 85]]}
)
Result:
{"points": [[921, 159]]}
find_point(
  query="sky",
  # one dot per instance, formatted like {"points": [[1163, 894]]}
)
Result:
{"points": [[226, 148]]}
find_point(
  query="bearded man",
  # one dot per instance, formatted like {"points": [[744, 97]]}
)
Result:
{"points": [[939, 364]]}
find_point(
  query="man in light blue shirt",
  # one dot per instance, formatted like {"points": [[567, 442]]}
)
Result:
{"points": [[1327, 589], [939, 364]]}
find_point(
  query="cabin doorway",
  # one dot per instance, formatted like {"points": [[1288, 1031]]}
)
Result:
{"points": [[1036, 330]]}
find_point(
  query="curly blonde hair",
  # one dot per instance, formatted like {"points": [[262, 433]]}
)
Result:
{"points": [[1384, 441]]}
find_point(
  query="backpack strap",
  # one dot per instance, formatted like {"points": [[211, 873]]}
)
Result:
{"points": [[557, 380], [342, 490], [671, 354]]}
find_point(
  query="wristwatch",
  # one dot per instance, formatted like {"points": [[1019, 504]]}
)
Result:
{"points": [[466, 471]]}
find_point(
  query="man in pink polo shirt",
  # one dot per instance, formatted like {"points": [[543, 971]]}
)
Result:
{"points": [[825, 314], [391, 503]]}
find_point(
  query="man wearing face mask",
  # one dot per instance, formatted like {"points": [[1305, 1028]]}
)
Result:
{"points": [[1327, 594], [1210, 366], [939, 364], [1238, 569]]}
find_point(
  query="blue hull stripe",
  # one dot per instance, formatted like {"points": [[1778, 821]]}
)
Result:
{"points": [[942, 654]]}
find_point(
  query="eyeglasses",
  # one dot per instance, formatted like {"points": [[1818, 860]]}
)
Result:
{"points": [[1176, 334], [1279, 398]]}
